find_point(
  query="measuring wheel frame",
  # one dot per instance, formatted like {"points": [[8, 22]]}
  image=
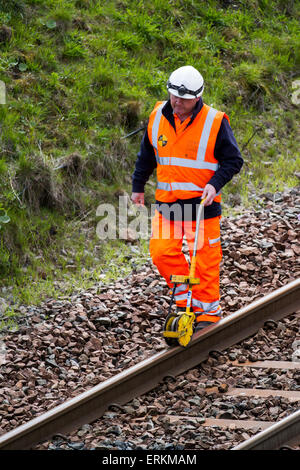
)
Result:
{"points": [[170, 326]]}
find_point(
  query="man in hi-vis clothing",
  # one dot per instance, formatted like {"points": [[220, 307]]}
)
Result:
{"points": [[195, 153]]}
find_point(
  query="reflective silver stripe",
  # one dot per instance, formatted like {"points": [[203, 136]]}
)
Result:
{"points": [[208, 308], [212, 241], [155, 126], [181, 288], [163, 160], [205, 134], [180, 187], [181, 296], [188, 163], [185, 187], [164, 186]]}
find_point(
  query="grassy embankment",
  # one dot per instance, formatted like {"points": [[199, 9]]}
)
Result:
{"points": [[81, 74]]}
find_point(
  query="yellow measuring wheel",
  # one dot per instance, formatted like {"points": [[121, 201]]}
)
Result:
{"points": [[178, 328]]}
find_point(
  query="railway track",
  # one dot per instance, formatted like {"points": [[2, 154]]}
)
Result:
{"points": [[277, 436], [148, 374]]}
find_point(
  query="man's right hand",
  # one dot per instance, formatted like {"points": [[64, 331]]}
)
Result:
{"points": [[138, 199]]}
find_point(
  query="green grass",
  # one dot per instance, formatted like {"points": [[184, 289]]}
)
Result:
{"points": [[81, 74]]}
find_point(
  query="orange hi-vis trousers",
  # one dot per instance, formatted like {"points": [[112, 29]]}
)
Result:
{"points": [[167, 255]]}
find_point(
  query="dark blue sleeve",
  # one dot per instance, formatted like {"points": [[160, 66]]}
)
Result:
{"points": [[144, 166], [228, 155]]}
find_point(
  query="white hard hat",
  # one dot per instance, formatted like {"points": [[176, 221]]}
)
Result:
{"points": [[186, 82]]}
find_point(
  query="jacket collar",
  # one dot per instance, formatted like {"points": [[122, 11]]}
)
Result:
{"points": [[167, 111]]}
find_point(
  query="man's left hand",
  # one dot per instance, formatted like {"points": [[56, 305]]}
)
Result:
{"points": [[209, 193]]}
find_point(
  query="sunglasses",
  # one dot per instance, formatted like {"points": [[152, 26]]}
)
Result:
{"points": [[182, 90]]}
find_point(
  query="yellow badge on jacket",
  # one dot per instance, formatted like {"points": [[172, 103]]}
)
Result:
{"points": [[162, 140]]}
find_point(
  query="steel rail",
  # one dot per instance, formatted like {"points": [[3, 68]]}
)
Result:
{"points": [[285, 432], [142, 377]]}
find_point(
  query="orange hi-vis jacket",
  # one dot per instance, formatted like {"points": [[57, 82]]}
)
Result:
{"points": [[185, 161]]}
